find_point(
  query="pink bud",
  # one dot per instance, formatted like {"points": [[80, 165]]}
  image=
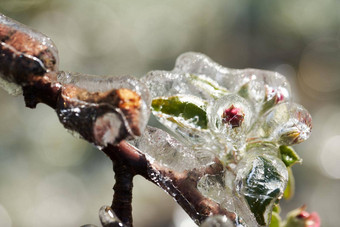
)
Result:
{"points": [[279, 97], [309, 219], [313, 220], [233, 116]]}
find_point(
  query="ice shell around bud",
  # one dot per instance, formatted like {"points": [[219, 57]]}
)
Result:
{"points": [[165, 150], [263, 88], [287, 123], [223, 129], [217, 221], [261, 179], [24, 52], [102, 84]]}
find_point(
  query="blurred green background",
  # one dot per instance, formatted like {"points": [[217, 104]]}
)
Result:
{"points": [[49, 178]]}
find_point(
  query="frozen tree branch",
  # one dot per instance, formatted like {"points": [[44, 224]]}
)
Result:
{"points": [[235, 125]]}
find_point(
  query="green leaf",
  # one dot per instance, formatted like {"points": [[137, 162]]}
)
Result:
{"points": [[290, 189], [276, 220], [208, 85], [268, 104], [264, 185], [289, 156], [184, 110], [244, 91]]}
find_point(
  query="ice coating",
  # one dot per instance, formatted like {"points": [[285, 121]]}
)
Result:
{"points": [[24, 53], [287, 123], [108, 217], [222, 118], [168, 152], [10, 88], [197, 63], [164, 83], [263, 88], [93, 83], [103, 108], [197, 75], [261, 179], [221, 189], [242, 117], [214, 187], [38, 36], [218, 221], [258, 86], [183, 114]]}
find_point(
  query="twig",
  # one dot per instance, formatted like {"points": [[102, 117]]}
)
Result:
{"points": [[122, 198], [181, 186], [40, 85]]}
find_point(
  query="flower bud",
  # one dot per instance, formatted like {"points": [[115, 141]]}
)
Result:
{"points": [[301, 218]]}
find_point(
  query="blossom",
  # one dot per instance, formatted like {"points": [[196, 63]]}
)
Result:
{"points": [[301, 218], [243, 118]]}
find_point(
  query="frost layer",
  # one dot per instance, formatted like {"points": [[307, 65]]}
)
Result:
{"points": [[240, 117]]}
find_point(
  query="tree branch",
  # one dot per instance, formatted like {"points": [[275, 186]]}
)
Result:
{"points": [[34, 68], [181, 186], [122, 198], [129, 161]]}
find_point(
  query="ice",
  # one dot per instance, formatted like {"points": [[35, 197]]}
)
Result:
{"points": [[125, 87], [35, 35], [95, 123], [262, 88], [108, 217], [165, 83], [197, 63], [10, 88], [261, 179], [103, 109], [24, 53], [185, 115], [218, 221], [221, 189], [163, 149], [230, 118], [249, 115], [286, 123], [107, 128], [95, 83], [214, 187]]}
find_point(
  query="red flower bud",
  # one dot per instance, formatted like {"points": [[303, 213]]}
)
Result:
{"points": [[233, 116], [301, 218]]}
